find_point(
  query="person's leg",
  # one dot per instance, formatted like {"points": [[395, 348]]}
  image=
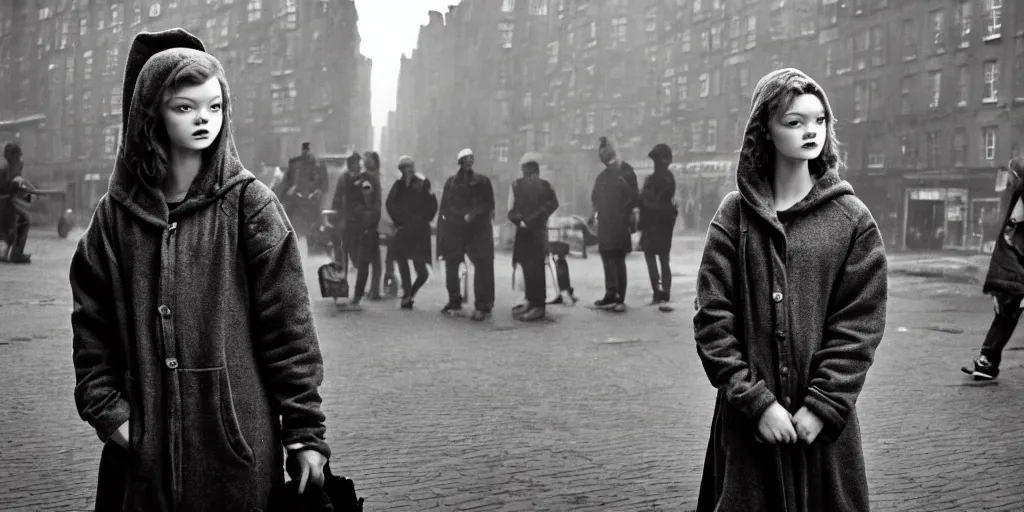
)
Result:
{"points": [[535, 280], [361, 277], [483, 282], [1001, 329], [452, 281], [20, 239], [422, 274], [389, 267], [620, 274], [375, 264], [652, 272], [666, 275], [403, 271], [611, 280]]}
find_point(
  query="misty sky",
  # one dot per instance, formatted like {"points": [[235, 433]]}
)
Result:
{"points": [[389, 28]]}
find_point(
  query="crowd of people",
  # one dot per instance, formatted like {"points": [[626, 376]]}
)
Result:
{"points": [[199, 366]]}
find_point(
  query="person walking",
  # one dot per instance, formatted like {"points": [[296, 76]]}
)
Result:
{"points": [[357, 198], [791, 305], [533, 202], [1005, 280], [412, 205], [657, 222], [14, 204], [615, 198], [196, 358], [466, 229]]}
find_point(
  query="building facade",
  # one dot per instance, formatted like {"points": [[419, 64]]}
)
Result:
{"points": [[926, 92], [62, 61]]}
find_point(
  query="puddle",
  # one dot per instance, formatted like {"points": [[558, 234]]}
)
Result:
{"points": [[944, 328]]}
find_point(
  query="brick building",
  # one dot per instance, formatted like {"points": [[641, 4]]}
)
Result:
{"points": [[61, 65], [927, 93]]}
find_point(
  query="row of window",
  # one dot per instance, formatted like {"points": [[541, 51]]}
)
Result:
{"points": [[939, 151]]}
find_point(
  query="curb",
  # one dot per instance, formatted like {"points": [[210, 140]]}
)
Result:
{"points": [[969, 275]]}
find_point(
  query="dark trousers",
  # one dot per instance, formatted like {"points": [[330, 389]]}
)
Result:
{"points": [[663, 281], [483, 282], [614, 274], [535, 279], [1002, 328], [409, 290], [375, 265], [17, 237]]}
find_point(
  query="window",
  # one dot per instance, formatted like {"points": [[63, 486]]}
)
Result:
{"points": [[716, 82], [553, 53], [937, 18], [704, 86], [829, 12], [988, 137], [908, 151], [934, 88], [528, 103], [115, 100], [64, 26], [909, 39], [876, 152], [591, 123], [113, 62], [991, 81], [682, 87], [963, 23], [154, 10], [932, 149], [592, 42], [505, 29], [255, 10], [1018, 64], [651, 21], [87, 65], [861, 46], [963, 87], [685, 41], [860, 102], [547, 134], [875, 102], [993, 19], [508, 5], [115, 18], [88, 112], [751, 32], [960, 147], [499, 151], [697, 136], [906, 104], [618, 31], [712, 142], [538, 7], [878, 46], [110, 139], [83, 26], [828, 59]]}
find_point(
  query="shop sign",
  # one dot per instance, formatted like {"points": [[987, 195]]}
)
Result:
{"points": [[928, 194]]}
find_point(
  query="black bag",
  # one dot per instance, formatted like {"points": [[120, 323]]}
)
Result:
{"points": [[342, 492], [333, 279]]}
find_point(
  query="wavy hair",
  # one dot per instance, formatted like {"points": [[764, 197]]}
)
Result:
{"points": [[148, 158], [761, 152]]}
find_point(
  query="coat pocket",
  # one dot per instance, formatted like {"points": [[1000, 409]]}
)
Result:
{"points": [[210, 427]]}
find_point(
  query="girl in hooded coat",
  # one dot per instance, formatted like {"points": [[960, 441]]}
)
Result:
{"points": [[195, 353], [791, 298]]}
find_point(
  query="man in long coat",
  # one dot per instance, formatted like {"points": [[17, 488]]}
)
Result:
{"points": [[14, 202], [411, 204], [1005, 281], [533, 202], [357, 200], [657, 221], [304, 183], [466, 229], [615, 197]]}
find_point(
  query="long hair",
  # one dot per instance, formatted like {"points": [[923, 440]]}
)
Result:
{"points": [[761, 152], [148, 158]]}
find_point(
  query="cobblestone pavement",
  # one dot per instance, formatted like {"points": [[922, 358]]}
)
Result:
{"points": [[587, 412]]}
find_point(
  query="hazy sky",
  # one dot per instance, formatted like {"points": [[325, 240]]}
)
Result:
{"points": [[389, 28]]}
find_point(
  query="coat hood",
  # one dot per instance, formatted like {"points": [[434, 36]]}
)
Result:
{"points": [[154, 58], [753, 183]]}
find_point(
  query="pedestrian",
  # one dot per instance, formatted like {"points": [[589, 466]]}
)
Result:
{"points": [[615, 198], [1005, 280], [791, 298], [372, 164], [357, 200], [411, 205], [657, 222], [15, 199], [304, 184], [533, 201], [466, 229], [194, 347]]}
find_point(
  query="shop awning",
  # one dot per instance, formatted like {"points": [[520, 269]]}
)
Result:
{"points": [[13, 123]]}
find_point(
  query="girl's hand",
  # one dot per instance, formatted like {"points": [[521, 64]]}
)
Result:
{"points": [[776, 426], [310, 466], [807, 424], [120, 436]]}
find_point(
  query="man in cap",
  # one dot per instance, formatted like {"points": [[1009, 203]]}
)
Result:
{"points": [[411, 204], [357, 200], [615, 196], [532, 202], [304, 183], [657, 221], [466, 229]]}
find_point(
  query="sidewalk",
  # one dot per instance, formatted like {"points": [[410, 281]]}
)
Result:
{"points": [[964, 268]]}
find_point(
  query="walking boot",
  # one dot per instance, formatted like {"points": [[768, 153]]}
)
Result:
{"points": [[451, 309], [981, 369], [480, 315], [608, 301], [533, 314], [406, 302]]}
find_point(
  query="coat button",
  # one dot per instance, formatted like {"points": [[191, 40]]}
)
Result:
{"points": [[164, 311], [171, 363], [781, 335], [784, 370], [777, 297]]}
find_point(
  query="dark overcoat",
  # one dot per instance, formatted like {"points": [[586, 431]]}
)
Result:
{"points": [[357, 201], [466, 192], [614, 197], [791, 308], [411, 207], [658, 212], [533, 202], [1006, 268], [195, 325]]}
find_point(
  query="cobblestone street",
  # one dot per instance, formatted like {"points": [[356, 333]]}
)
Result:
{"points": [[589, 411]]}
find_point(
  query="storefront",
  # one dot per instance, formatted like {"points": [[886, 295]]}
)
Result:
{"points": [[950, 210], [701, 187]]}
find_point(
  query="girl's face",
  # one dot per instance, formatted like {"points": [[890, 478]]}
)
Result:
{"points": [[193, 115], [800, 132]]}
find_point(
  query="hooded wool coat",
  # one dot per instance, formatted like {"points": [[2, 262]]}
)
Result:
{"points": [[790, 309], [614, 196], [195, 324]]}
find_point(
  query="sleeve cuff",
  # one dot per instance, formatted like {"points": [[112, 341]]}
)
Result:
{"points": [[834, 424], [111, 420], [755, 402]]}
